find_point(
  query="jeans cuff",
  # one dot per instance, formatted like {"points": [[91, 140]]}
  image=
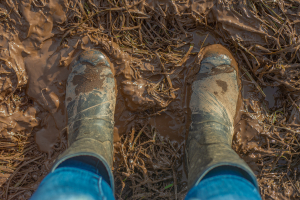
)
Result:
{"points": [[89, 163]]}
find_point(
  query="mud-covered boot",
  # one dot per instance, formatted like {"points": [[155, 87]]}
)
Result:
{"points": [[213, 104], [90, 101]]}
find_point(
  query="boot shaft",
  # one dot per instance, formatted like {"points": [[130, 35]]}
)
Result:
{"points": [[214, 99], [90, 101]]}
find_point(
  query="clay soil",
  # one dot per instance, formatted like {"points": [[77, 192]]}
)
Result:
{"points": [[153, 46]]}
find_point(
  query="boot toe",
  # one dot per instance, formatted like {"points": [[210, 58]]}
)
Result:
{"points": [[93, 57], [217, 59], [217, 55]]}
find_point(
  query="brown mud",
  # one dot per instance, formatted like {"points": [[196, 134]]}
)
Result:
{"points": [[153, 47]]}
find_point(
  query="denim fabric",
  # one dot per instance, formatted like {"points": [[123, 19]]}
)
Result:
{"points": [[88, 163], [224, 183], [79, 182]]}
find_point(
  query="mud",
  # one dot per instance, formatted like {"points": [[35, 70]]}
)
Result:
{"points": [[153, 47]]}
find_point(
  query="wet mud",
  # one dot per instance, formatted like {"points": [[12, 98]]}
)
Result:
{"points": [[153, 47]]}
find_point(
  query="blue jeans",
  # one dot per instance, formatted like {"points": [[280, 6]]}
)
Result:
{"points": [[77, 180], [74, 179], [224, 183]]}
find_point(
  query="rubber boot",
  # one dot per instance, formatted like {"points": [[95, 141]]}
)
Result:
{"points": [[90, 101], [215, 94]]}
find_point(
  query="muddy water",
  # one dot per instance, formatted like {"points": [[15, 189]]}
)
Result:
{"points": [[43, 65], [35, 64], [47, 69]]}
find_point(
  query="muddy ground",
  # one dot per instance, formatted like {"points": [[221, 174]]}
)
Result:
{"points": [[153, 46]]}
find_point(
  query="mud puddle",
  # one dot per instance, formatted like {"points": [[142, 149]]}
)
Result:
{"points": [[153, 46]]}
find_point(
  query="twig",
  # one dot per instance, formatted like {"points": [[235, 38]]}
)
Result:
{"points": [[185, 56], [16, 171], [166, 75], [138, 135]]}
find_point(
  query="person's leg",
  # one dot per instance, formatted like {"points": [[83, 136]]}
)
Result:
{"points": [[224, 182], [83, 171], [215, 171], [75, 179]]}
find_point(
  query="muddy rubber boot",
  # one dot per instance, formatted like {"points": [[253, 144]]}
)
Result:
{"points": [[215, 93], [90, 101]]}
